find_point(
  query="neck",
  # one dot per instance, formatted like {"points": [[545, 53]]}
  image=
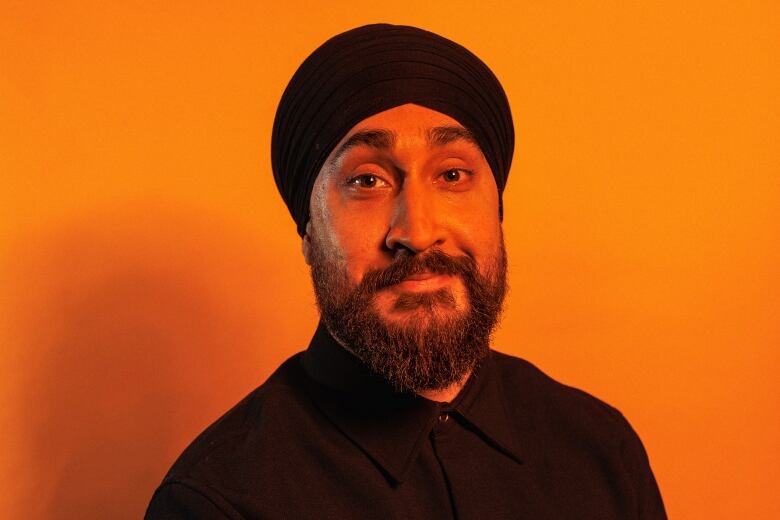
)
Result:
{"points": [[448, 394]]}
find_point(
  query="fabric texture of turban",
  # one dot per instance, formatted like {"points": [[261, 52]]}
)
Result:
{"points": [[368, 70]]}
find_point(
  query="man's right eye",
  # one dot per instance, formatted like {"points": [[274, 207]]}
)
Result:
{"points": [[365, 181]]}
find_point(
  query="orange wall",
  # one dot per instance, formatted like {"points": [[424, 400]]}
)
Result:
{"points": [[150, 276]]}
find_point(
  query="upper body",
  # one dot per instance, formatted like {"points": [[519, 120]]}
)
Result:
{"points": [[324, 438], [391, 147]]}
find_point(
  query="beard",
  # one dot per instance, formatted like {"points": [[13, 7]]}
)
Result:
{"points": [[422, 352]]}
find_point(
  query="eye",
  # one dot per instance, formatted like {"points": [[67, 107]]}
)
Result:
{"points": [[363, 181], [451, 175], [455, 175], [366, 181]]}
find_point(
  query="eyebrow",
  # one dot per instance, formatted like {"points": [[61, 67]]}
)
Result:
{"points": [[378, 139], [442, 135]]}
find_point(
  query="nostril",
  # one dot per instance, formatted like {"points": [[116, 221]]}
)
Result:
{"points": [[403, 250]]}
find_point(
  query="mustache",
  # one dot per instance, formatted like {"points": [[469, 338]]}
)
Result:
{"points": [[435, 262]]}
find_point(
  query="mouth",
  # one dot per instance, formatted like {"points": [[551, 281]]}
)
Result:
{"points": [[425, 281]]}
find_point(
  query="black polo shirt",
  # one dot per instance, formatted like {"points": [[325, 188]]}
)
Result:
{"points": [[324, 438]]}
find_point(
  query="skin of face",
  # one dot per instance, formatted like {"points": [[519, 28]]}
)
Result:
{"points": [[402, 182]]}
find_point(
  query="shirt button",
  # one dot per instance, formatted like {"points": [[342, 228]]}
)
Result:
{"points": [[444, 417]]}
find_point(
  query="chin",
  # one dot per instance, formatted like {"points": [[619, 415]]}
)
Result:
{"points": [[420, 318]]}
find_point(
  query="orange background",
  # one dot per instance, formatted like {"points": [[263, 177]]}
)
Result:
{"points": [[150, 275]]}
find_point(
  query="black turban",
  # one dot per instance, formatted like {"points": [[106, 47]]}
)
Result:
{"points": [[368, 70]]}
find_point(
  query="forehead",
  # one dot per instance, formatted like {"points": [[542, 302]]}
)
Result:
{"points": [[407, 122]]}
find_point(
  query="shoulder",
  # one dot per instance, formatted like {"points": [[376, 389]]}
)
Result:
{"points": [[520, 376], [184, 499], [568, 435], [229, 450], [555, 408]]}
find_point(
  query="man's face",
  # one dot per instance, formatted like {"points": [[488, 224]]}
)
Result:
{"points": [[405, 245]]}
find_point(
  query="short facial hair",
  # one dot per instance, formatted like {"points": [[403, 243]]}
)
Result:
{"points": [[429, 354]]}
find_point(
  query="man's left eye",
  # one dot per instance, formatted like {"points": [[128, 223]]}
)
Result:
{"points": [[453, 175]]}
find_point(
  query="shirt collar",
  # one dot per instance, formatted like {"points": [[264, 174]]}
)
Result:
{"points": [[391, 427]]}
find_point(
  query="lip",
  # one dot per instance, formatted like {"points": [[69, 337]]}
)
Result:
{"points": [[423, 282], [421, 276]]}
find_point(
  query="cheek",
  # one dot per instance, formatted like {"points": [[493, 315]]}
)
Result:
{"points": [[476, 219], [486, 242], [490, 233], [481, 240], [355, 238]]}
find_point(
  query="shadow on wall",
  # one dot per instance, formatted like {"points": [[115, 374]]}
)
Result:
{"points": [[133, 335]]}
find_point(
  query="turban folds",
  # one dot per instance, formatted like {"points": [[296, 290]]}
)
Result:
{"points": [[368, 70]]}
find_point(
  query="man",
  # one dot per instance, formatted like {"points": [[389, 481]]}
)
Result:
{"points": [[391, 148]]}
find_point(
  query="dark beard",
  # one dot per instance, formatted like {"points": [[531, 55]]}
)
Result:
{"points": [[429, 354]]}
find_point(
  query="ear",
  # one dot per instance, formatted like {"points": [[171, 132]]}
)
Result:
{"points": [[306, 244]]}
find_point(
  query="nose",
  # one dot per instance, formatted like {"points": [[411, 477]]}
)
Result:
{"points": [[414, 225]]}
